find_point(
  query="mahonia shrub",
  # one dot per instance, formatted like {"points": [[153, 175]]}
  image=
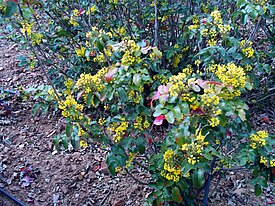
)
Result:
{"points": [[157, 83]]}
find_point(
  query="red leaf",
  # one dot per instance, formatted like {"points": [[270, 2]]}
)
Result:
{"points": [[80, 94], [266, 120], [197, 111], [93, 53], [214, 82], [82, 11], [155, 97], [110, 74], [96, 168], [228, 133], [163, 92], [159, 120], [150, 141]]}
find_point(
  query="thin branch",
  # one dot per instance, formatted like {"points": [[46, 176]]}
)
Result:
{"points": [[156, 43], [137, 180], [207, 186]]}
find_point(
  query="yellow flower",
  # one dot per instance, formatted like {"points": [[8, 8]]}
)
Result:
{"points": [[101, 121], [92, 10], [70, 108], [263, 160], [171, 171], [258, 139], [272, 163], [214, 121], [26, 28], [73, 22], [80, 52], [83, 144]]}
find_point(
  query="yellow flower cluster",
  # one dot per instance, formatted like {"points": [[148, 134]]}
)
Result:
{"points": [[36, 38], [272, 163], [130, 159], [247, 49], [26, 28], [81, 132], [69, 83], [232, 76], [194, 148], [214, 121], [263, 160], [216, 17], [80, 52], [171, 170], [92, 83], [162, 78], [193, 27], [216, 26], [71, 109], [134, 96], [119, 129], [131, 53], [91, 10], [176, 60], [210, 99], [83, 143], [258, 139], [210, 105], [113, 1], [179, 86], [260, 2], [101, 121], [140, 124], [73, 21]]}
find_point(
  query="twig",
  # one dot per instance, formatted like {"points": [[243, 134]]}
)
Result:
{"points": [[207, 186], [36, 56], [137, 180], [156, 23], [104, 199]]}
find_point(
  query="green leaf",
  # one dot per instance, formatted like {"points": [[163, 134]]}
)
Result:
{"points": [[140, 143], [36, 107], [244, 18], [198, 178], [65, 142], [205, 130], [241, 114], [27, 13], [170, 117], [69, 129], [185, 108], [177, 112], [11, 8], [100, 45], [122, 94], [186, 168], [254, 13], [176, 196], [257, 190], [137, 79], [112, 168], [223, 120]]}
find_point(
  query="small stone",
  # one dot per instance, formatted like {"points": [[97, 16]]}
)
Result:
{"points": [[120, 202], [65, 189]]}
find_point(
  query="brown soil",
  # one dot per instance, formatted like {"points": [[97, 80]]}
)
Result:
{"points": [[32, 171]]}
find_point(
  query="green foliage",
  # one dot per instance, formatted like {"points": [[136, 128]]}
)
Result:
{"points": [[118, 73]]}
